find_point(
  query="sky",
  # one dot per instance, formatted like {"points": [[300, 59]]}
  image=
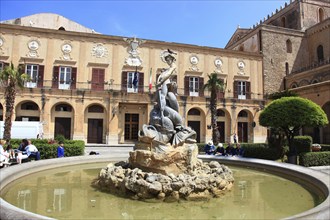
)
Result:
{"points": [[197, 22]]}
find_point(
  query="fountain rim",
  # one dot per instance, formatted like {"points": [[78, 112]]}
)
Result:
{"points": [[317, 179]]}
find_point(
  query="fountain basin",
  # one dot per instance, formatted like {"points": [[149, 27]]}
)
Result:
{"points": [[316, 181]]}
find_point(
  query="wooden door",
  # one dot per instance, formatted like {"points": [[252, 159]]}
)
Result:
{"points": [[63, 127], [196, 126], [95, 131], [242, 132], [131, 127], [221, 129]]}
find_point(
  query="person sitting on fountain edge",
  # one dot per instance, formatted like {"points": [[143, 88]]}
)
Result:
{"points": [[209, 148], [220, 150]]}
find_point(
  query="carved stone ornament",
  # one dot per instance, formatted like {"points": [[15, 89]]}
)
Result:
{"points": [[133, 59], [2, 41], [33, 46], [241, 66], [218, 64], [194, 61], [99, 51], [66, 50]]}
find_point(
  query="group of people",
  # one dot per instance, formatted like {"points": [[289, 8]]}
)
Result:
{"points": [[25, 150], [230, 150]]}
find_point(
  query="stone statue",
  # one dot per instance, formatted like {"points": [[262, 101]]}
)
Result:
{"points": [[164, 165], [166, 125]]}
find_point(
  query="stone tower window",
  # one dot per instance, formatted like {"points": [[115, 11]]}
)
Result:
{"points": [[288, 46], [61, 28], [283, 22], [287, 68], [321, 14], [241, 48], [320, 55]]}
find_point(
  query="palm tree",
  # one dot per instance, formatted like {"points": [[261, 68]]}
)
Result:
{"points": [[10, 78], [214, 85]]}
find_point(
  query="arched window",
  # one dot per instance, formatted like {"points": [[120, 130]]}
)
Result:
{"points": [[242, 114], [283, 22], [320, 55], [220, 113], [29, 106], [62, 28], [321, 14], [288, 46], [194, 111], [96, 108], [63, 108], [287, 68]]}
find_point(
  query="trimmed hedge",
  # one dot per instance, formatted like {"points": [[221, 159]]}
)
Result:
{"points": [[325, 147], [303, 144], [314, 159], [261, 151], [49, 150]]}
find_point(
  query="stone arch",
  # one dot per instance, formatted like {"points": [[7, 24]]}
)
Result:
{"points": [[61, 28], [294, 85], [320, 14], [95, 117], [288, 46], [224, 124], [27, 110], [62, 116], [320, 53], [304, 82], [325, 131], [196, 120], [244, 126], [283, 22]]}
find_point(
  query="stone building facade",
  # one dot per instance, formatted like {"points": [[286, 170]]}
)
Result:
{"points": [[295, 44], [100, 89]]}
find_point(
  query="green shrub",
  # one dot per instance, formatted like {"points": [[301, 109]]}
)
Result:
{"points": [[59, 138], [261, 151], [314, 159], [47, 151], [325, 147], [303, 144]]}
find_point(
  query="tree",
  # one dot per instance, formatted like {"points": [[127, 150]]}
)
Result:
{"points": [[214, 85], [290, 114], [284, 93], [10, 78]]}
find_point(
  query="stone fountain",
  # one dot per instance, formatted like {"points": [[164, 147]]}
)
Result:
{"points": [[164, 165]]}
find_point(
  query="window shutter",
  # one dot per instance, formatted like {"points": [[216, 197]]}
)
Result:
{"points": [[235, 89], [124, 82], [41, 76], [141, 83], [73, 78], [248, 90], [221, 94], [186, 85], [55, 77], [200, 86]]}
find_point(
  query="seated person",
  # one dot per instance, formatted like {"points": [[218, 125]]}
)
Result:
{"points": [[4, 156], [229, 150], [32, 151], [220, 150], [239, 151], [209, 148]]}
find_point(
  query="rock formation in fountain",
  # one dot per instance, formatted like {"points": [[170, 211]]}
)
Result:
{"points": [[164, 164]]}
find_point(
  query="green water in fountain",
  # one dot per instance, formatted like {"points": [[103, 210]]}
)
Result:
{"points": [[66, 193]]}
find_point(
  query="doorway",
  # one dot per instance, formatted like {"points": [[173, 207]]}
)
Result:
{"points": [[63, 127], [242, 132], [95, 131], [196, 126], [131, 127]]}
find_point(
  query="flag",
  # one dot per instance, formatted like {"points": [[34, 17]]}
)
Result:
{"points": [[150, 79]]}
